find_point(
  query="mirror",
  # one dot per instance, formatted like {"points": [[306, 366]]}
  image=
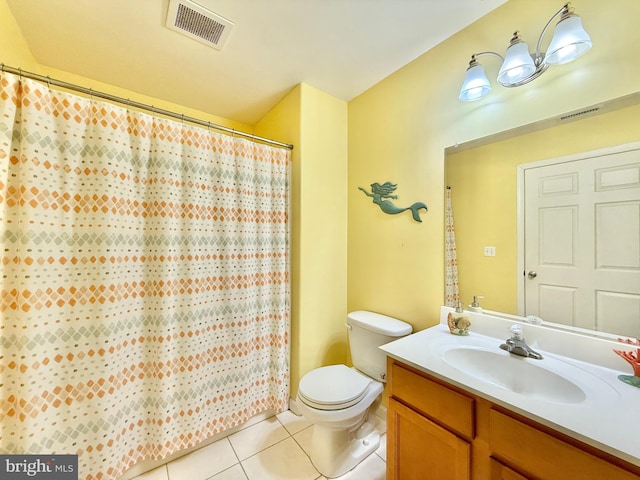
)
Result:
{"points": [[483, 176]]}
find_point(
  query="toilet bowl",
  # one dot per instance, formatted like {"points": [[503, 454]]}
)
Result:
{"points": [[341, 401]]}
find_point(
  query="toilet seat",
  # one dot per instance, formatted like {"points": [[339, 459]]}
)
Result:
{"points": [[333, 388]]}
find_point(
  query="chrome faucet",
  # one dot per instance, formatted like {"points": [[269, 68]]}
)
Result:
{"points": [[517, 345]]}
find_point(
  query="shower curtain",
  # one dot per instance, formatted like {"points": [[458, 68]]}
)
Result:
{"points": [[145, 294], [451, 257]]}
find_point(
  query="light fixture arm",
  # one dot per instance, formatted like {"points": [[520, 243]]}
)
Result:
{"points": [[566, 9], [479, 54]]}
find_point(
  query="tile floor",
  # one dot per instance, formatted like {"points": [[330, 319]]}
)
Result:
{"points": [[273, 449]]}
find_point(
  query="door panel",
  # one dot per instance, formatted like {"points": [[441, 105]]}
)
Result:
{"points": [[582, 238]]}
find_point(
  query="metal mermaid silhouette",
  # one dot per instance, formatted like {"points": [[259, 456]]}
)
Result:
{"points": [[380, 192]]}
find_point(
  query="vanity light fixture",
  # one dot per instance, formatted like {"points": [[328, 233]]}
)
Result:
{"points": [[519, 67]]}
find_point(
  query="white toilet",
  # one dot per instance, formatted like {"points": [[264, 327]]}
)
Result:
{"points": [[337, 399]]}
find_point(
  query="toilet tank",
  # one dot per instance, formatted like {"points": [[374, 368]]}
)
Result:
{"points": [[367, 331]]}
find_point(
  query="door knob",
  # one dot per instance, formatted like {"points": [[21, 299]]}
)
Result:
{"points": [[532, 274]]}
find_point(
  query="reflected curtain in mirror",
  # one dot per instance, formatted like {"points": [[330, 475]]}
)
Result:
{"points": [[451, 256]]}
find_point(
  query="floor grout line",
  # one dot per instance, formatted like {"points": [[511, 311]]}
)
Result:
{"points": [[289, 435]]}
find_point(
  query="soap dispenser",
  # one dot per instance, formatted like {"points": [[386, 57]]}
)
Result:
{"points": [[475, 305], [458, 322]]}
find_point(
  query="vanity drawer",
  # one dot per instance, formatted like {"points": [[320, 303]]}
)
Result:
{"points": [[541, 455], [442, 404]]}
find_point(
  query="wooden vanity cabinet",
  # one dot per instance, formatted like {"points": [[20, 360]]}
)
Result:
{"points": [[436, 431], [499, 471], [447, 456], [429, 428]]}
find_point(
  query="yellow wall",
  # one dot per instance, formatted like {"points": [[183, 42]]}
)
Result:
{"points": [[15, 51], [316, 124], [323, 231], [399, 129], [484, 197]]}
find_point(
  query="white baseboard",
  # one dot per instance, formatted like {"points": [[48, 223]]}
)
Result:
{"points": [[293, 406]]}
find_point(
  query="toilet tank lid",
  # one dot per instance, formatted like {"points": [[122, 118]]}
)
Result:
{"points": [[378, 323]]}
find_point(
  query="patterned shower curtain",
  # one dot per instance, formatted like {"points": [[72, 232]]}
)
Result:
{"points": [[145, 294], [451, 256]]}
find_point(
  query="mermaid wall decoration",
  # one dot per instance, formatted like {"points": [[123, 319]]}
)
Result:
{"points": [[380, 193]]}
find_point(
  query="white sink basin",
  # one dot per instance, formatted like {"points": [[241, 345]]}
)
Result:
{"points": [[550, 379], [516, 374]]}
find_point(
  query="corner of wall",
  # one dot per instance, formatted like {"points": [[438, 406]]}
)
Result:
{"points": [[15, 51], [316, 124]]}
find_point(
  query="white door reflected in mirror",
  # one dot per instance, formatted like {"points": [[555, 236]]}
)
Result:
{"points": [[582, 242]]}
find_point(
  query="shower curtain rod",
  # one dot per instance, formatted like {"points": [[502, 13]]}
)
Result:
{"points": [[125, 101]]}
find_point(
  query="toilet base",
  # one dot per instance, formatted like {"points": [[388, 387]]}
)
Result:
{"points": [[336, 451]]}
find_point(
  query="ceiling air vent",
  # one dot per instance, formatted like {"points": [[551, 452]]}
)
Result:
{"points": [[198, 23]]}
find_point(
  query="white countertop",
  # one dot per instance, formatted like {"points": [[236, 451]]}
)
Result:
{"points": [[608, 419]]}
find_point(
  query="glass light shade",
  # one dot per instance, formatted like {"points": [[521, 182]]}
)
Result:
{"points": [[517, 65], [570, 41], [476, 84]]}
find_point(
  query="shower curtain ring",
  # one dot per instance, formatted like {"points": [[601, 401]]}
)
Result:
{"points": [[154, 116]]}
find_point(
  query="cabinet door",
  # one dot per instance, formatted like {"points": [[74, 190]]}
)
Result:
{"points": [[541, 455], [502, 472], [419, 449]]}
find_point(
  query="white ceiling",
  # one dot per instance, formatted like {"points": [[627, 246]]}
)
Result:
{"points": [[342, 47]]}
